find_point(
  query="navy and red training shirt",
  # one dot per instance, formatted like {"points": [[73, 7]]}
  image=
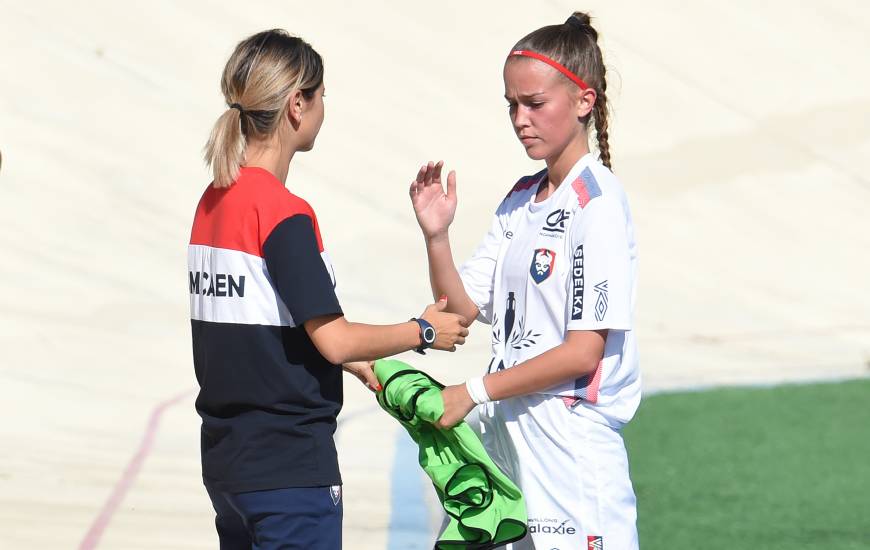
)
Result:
{"points": [[268, 399]]}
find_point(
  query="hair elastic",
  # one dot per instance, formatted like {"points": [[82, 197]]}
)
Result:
{"points": [[237, 106], [575, 22], [555, 64]]}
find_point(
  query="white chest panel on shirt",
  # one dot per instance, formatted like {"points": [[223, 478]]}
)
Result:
{"points": [[565, 263]]}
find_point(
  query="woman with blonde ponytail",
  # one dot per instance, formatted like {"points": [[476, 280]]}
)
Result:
{"points": [[269, 335], [556, 278]]}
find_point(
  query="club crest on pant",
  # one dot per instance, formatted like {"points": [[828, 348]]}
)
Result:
{"points": [[335, 493], [543, 262]]}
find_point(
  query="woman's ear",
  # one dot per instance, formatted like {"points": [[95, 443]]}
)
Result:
{"points": [[586, 102], [295, 108]]}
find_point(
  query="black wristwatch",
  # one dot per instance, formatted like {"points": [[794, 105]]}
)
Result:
{"points": [[427, 335]]}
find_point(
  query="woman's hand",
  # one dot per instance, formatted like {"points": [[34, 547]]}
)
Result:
{"points": [[450, 328], [433, 207], [365, 371], [457, 405]]}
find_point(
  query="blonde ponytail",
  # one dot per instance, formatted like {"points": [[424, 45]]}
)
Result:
{"points": [[225, 150]]}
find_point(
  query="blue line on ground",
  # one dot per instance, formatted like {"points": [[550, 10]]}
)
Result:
{"points": [[409, 524]]}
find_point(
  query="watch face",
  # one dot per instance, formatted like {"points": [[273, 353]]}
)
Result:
{"points": [[429, 335]]}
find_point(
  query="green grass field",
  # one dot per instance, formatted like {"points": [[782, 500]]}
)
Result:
{"points": [[786, 467]]}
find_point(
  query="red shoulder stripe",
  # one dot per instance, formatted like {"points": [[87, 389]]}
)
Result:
{"points": [[242, 216], [527, 182]]}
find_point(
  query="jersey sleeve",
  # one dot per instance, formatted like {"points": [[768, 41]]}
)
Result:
{"points": [[298, 271], [599, 291], [478, 273]]}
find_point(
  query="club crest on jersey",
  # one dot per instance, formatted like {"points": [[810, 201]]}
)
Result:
{"points": [[543, 262], [595, 542]]}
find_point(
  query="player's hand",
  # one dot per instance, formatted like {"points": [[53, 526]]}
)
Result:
{"points": [[450, 328], [365, 371], [433, 207], [457, 405]]}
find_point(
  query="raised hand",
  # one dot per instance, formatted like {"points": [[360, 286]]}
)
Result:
{"points": [[450, 328], [433, 207]]}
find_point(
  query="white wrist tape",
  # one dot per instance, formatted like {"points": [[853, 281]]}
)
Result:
{"points": [[477, 390]]}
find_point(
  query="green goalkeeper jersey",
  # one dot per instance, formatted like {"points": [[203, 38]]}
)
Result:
{"points": [[484, 508]]}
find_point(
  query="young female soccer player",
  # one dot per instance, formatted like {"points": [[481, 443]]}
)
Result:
{"points": [[268, 330], [555, 277]]}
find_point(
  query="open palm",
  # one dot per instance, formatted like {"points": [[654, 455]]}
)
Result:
{"points": [[433, 207]]}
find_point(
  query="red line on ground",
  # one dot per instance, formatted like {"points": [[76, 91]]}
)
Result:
{"points": [[92, 537]]}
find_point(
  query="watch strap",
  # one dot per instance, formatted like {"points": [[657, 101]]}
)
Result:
{"points": [[424, 327]]}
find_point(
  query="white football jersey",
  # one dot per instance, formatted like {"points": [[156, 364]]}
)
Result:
{"points": [[566, 263]]}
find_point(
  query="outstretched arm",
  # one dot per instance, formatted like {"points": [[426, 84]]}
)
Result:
{"points": [[341, 341], [435, 210], [577, 356]]}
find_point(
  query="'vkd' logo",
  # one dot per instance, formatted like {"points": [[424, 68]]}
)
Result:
{"points": [[601, 302], [543, 262]]}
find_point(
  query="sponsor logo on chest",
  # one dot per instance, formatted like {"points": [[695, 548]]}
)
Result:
{"points": [[554, 225], [216, 284]]}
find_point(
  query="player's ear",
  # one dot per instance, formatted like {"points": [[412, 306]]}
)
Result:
{"points": [[295, 108], [586, 102]]}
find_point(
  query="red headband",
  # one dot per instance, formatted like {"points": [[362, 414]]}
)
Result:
{"points": [[555, 64]]}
